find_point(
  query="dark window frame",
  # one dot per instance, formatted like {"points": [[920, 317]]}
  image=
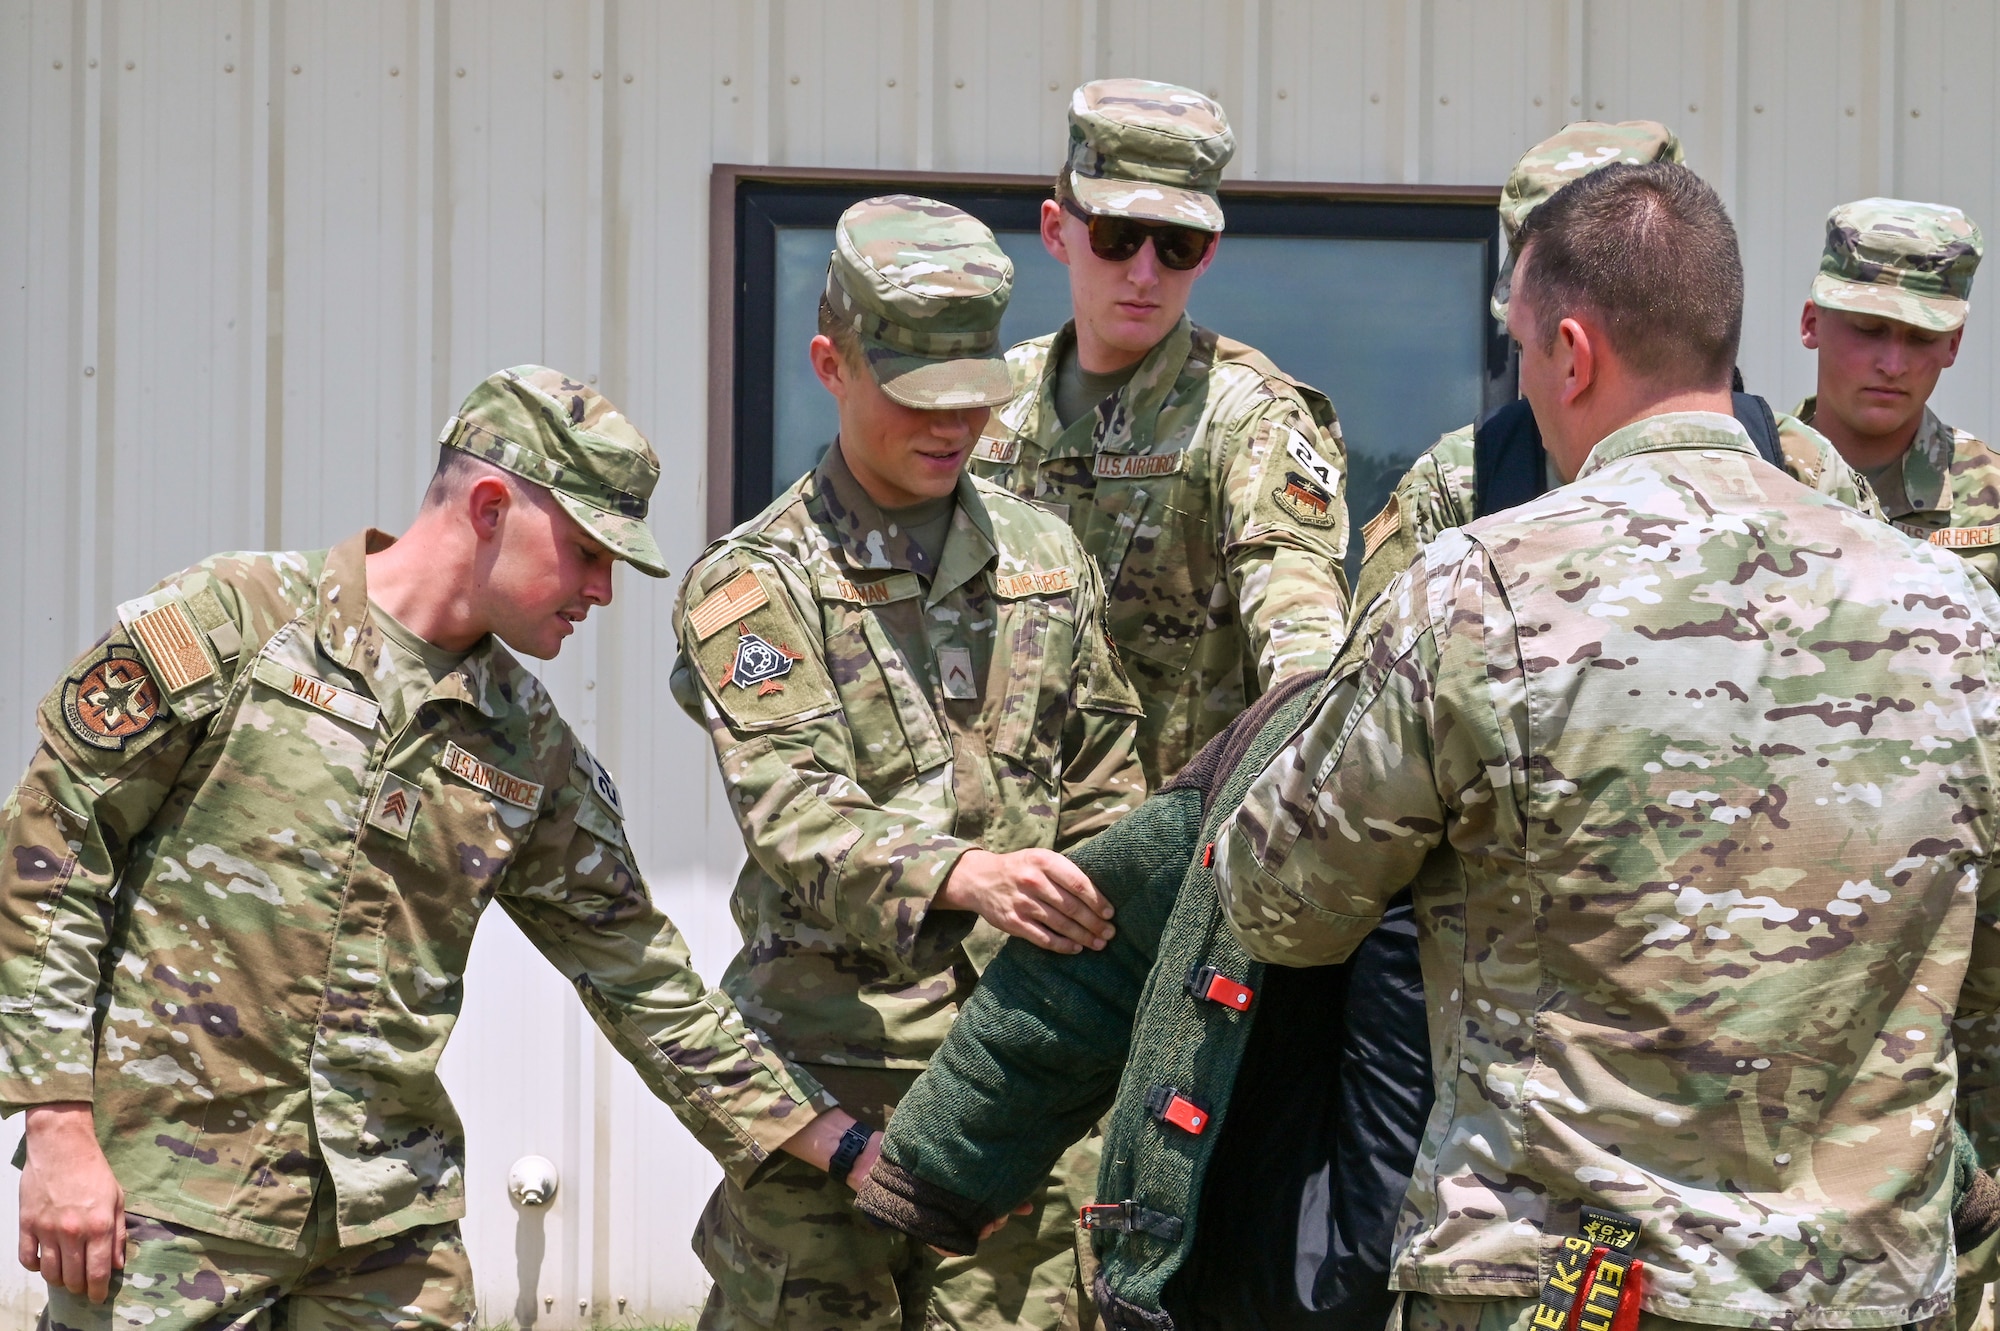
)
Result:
{"points": [[747, 204]]}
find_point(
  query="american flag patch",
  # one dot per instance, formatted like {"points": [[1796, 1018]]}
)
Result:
{"points": [[172, 643], [726, 604]]}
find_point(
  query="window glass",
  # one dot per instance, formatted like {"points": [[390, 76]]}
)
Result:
{"points": [[1391, 324]]}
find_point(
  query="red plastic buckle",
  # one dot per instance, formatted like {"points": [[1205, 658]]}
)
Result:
{"points": [[1208, 856], [1209, 983], [1169, 1106], [1185, 1115], [1106, 1215], [1229, 993]]}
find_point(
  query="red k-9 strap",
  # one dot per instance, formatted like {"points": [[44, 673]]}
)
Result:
{"points": [[1594, 1283], [1170, 1106]]}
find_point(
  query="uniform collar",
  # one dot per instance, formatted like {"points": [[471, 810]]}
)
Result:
{"points": [[1672, 430], [858, 533], [347, 633], [1925, 476], [1927, 467], [1138, 404]]}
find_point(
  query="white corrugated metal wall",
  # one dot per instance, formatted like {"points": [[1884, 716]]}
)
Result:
{"points": [[252, 251]]}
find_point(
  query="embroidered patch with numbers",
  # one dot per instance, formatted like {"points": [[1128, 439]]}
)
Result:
{"points": [[114, 701], [1123, 466], [395, 808], [759, 663], [600, 780], [315, 692], [1965, 538], [172, 642], [733, 600], [1034, 582], [502, 786], [1315, 466], [1003, 451], [955, 671]]}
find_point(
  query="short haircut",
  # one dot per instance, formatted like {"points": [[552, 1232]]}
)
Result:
{"points": [[457, 471], [1651, 253], [837, 331]]}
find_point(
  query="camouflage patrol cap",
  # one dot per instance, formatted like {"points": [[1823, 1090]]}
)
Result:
{"points": [[924, 286], [1912, 262], [1154, 151], [1574, 151], [545, 427]]}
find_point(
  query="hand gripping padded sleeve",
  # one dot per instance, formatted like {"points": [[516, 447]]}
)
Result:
{"points": [[1034, 1058]]}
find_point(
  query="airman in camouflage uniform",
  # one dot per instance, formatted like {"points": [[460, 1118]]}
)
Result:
{"points": [[1437, 493], [1210, 487], [1901, 274], [886, 704], [242, 875], [1885, 314], [1690, 770]]}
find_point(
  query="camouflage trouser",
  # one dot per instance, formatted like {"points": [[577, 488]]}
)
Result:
{"points": [[1972, 1306], [790, 1252], [178, 1279], [1422, 1312]]}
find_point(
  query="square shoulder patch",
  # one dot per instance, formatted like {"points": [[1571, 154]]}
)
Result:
{"points": [[762, 666]]}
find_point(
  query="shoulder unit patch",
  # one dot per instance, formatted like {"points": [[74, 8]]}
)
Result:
{"points": [[1304, 498], [759, 663], [114, 701]]}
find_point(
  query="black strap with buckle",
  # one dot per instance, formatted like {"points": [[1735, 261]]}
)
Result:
{"points": [[1128, 1217]]}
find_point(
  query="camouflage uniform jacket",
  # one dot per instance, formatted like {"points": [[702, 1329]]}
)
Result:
{"points": [[1691, 771], [1946, 492], [876, 716], [1211, 492], [241, 887], [1436, 494]]}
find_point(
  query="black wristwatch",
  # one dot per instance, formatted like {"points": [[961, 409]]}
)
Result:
{"points": [[852, 1143]]}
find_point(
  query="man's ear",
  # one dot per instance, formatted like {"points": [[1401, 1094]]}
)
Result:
{"points": [[486, 502], [1052, 236], [828, 364], [1809, 326], [1580, 354], [1951, 348]]}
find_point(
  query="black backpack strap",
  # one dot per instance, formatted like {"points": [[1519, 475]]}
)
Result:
{"points": [[1508, 465], [1753, 413]]}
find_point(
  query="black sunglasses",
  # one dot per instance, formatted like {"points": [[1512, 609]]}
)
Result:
{"points": [[1116, 239]]}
